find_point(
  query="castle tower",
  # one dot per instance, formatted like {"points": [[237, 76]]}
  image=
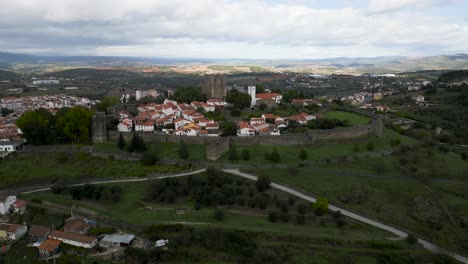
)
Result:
{"points": [[99, 128], [214, 86], [252, 91]]}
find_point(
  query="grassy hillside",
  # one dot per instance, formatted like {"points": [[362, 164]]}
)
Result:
{"points": [[8, 75]]}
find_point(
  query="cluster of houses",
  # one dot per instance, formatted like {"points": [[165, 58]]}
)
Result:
{"points": [[179, 119], [20, 105], [271, 125], [49, 241]]}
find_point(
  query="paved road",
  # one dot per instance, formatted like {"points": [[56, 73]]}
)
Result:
{"points": [[125, 180], [426, 244]]}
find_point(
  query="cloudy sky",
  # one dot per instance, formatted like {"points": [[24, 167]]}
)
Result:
{"points": [[268, 29]]}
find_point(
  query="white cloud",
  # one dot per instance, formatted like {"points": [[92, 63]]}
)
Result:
{"points": [[228, 28]]}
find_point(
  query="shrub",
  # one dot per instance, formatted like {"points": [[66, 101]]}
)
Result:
{"points": [[301, 208], [320, 206], [183, 151], [303, 154], [370, 146], [464, 155], [218, 214], [337, 214], [395, 142], [245, 154], [275, 156], [101, 230], [284, 217], [196, 206], [411, 239], [267, 156], [300, 219], [233, 156], [263, 183], [149, 158], [273, 217]]}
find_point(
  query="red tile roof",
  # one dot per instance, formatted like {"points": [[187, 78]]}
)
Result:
{"points": [[71, 236], [49, 245]]}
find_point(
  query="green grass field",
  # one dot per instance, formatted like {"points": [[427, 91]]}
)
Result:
{"points": [[163, 150], [290, 154], [131, 209], [49, 168], [386, 200], [353, 119]]}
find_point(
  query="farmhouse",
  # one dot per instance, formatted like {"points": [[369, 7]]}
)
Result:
{"points": [[49, 247], [73, 239], [12, 231], [38, 233]]}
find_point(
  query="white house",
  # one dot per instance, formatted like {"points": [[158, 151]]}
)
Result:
{"points": [[208, 107], [180, 122], [12, 231], [245, 129], [6, 203], [10, 146], [146, 126], [125, 126], [73, 239]]}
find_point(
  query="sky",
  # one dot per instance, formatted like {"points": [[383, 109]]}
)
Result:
{"points": [[223, 29]]}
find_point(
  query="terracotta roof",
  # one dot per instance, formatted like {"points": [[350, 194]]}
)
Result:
{"points": [[39, 231], [266, 96], [49, 245], [212, 125], [11, 228], [243, 125], [20, 203], [71, 236], [73, 225]]}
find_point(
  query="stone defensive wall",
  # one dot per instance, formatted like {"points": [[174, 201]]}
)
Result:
{"points": [[217, 146]]}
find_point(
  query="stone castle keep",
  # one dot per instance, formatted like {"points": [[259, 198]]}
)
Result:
{"points": [[214, 86], [217, 146]]}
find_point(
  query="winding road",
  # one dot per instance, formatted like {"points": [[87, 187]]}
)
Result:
{"points": [[426, 244]]}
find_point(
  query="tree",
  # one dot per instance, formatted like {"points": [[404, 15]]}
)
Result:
{"points": [[320, 206], [229, 129], [133, 142], [273, 217], [140, 147], [245, 154], [263, 106], [411, 239], [150, 157], [76, 125], [183, 151], [263, 183], [219, 214], [37, 126], [6, 111], [260, 88], [238, 99], [370, 146], [275, 156], [233, 156], [188, 95], [121, 142], [303, 154], [108, 101]]}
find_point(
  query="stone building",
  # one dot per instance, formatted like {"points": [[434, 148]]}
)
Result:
{"points": [[214, 86]]}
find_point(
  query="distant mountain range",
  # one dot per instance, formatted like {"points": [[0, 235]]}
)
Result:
{"points": [[391, 64]]}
